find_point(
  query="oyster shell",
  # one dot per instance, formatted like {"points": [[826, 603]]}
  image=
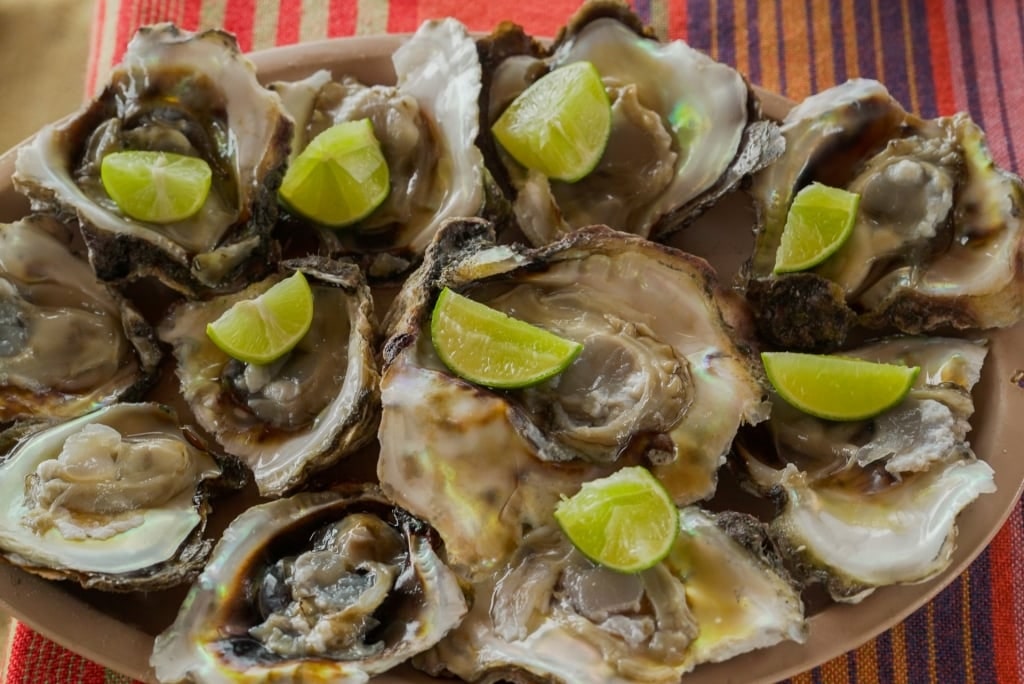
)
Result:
{"points": [[115, 500], [937, 240], [685, 129], [875, 502], [426, 124], [664, 379], [68, 344], [321, 586], [303, 412], [175, 91], [551, 615]]}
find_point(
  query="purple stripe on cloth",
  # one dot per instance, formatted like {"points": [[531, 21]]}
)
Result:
{"points": [[754, 40], [949, 630], [865, 39], [726, 31], [918, 25], [698, 24], [963, 36], [813, 63], [780, 33], [839, 37], [884, 657], [894, 54], [643, 9], [979, 615], [1001, 92], [916, 652]]}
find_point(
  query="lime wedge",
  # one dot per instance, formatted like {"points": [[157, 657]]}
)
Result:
{"points": [[558, 126], [263, 329], [626, 521], [489, 348], [820, 221], [158, 187], [340, 177], [836, 387]]}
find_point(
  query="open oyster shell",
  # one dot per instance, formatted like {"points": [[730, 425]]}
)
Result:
{"points": [[871, 503], [685, 129], [68, 344], [115, 500], [303, 412], [426, 124], [551, 615], [938, 239], [664, 379], [174, 91], [330, 586]]}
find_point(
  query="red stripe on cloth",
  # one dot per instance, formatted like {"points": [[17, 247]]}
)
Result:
{"points": [[289, 20], [37, 660], [341, 21], [402, 17], [677, 19], [239, 16], [92, 70], [126, 25], [536, 18], [190, 14], [1004, 627]]}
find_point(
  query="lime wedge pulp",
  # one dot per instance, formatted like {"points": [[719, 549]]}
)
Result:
{"points": [[626, 521], [819, 222], [157, 187], [837, 387], [560, 125], [340, 177], [263, 329], [487, 347]]}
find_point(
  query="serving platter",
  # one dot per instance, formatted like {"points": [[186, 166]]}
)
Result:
{"points": [[117, 630]]}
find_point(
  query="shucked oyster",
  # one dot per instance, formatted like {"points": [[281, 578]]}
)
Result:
{"points": [[319, 587], [116, 500], [663, 379], [303, 412], [937, 241], [685, 129], [551, 615], [426, 125], [68, 344], [875, 502], [192, 94]]}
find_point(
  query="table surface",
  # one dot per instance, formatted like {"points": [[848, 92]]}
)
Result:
{"points": [[936, 56]]}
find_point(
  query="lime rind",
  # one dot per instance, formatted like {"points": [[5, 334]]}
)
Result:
{"points": [[838, 388], [626, 522], [489, 348], [560, 125], [819, 223], [154, 186]]}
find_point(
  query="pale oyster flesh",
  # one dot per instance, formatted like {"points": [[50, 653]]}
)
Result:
{"points": [[192, 94], [551, 615], [303, 412], [937, 240], [875, 502], [426, 125], [115, 499], [664, 380], [67, 343], [684, 128], [330, 586]]}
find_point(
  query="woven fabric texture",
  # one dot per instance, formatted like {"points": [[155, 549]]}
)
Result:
{"points": [[936, 56]]}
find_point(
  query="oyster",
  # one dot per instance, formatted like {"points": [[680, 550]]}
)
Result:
{"points": [[875, 502], [937, 240], [321, 586], [116, 499], [685, 129], [303, 412], [193, 94], [664, 379], [425, 123], [68, 344], [551, 615]]}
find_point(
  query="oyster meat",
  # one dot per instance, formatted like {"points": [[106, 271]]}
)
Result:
{"points": [[551, 615], [192, 94], [303, 412], [874, 502], [937, 241], [115, 499], [330, 586], [68, 344], [685, 129], [664, 379]]}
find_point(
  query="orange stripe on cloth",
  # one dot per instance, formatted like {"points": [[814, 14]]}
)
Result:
{"points": [[771, 75], [796, 50]]}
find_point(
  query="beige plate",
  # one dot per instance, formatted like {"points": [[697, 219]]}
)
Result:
{"points": [[118, 631]]}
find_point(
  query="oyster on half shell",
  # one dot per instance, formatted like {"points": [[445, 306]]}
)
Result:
{"points": [[115, 500], [301, 413], [68, 344], [665, 378], [192, 94], [685, 129], [330, 586]]}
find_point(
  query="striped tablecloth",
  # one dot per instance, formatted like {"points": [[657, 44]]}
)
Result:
{"points": [[936, 56]]}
